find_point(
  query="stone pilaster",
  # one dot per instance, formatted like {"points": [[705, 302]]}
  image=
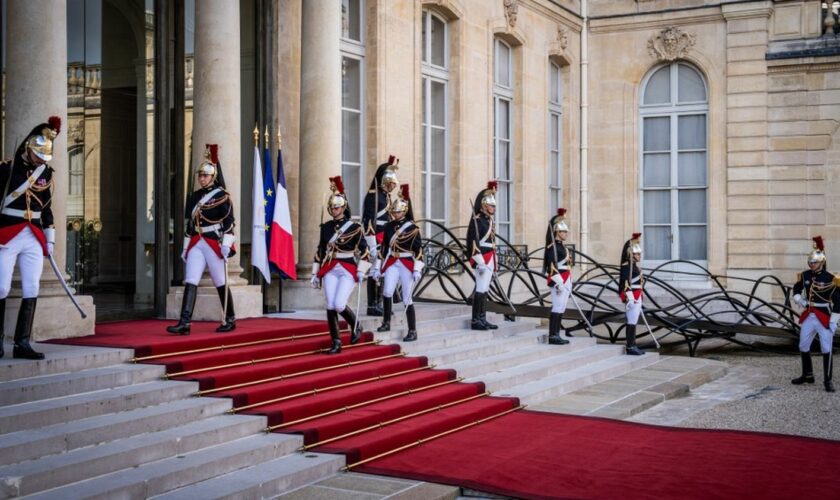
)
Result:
{"points": [[216, 120], [36, 88]]}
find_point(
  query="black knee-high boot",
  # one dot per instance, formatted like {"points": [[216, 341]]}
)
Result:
{"points": [[807, 370], [631, 342], [230, 316], [187, 306], [374, 308], [827, 372], [332, 321], [489, 325], [476, 323], [554, 337], [412, 324], [2, 325], [23, 331], [386, 315], [355, 328]]}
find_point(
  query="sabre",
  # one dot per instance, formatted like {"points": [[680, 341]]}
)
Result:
{"points": [[358, 306], [224, 307], [647, 325], [582, 315], [64, 285]]}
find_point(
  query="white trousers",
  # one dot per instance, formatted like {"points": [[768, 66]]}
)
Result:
{"points": [[25, 250], [202, 256], [809, 329], [482, 279], [397, 272], [634, 309], [338, 285], [560, 296]]}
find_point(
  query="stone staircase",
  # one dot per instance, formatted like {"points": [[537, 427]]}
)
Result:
{"points": [[85, 423]]}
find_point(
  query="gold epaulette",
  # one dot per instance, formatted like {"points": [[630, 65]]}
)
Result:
{"points": [[836, 280]]}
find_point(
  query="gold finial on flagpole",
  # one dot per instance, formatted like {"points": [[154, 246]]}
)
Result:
{"points": [[267, 138], [279, 141], [256, 135]]}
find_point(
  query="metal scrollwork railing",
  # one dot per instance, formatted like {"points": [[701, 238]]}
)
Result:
{"points": [[751, 307]]}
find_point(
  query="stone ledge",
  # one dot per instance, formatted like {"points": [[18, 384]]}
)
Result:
{"points": [[247, 302]]}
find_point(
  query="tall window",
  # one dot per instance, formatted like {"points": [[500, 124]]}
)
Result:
{"points": [[435, 159], [674, 164], [352, 101], [502, 140], [555, 158]]}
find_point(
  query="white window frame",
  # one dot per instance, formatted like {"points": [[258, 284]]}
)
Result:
{"points": [[439, 74], [503, 94], [555, 110], [355, 49], [673, 110]]}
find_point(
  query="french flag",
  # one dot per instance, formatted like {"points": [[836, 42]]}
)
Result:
{"points": [[281, 249]]}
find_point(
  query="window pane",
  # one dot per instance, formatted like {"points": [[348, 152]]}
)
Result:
{"points": [[657, 206], [438, 42], [350, 176], [657, 243], [503, 203], [423, 148], [554, 83], [350, 137], [438, 197], [555, 200], [692, 206], [691, 169], [502, 64], [657, 134], [438, 154], [438, 104], [502, 160], [693, 242], [658, 89], [692, 132], [657, 170], [502, 119], [351, 20], [554, 131], [555, 169], [690, 85], [351, 83], [423, 36]]}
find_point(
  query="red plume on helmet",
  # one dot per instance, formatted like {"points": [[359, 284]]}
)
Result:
{"points": [[404, 192], [493, 185], [392, 160], [561, 212], [54, 122], [636, 236], [338, 184], [818, 243]]}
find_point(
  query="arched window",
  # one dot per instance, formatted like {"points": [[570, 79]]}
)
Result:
{"points": [[434, 152], [502, 134], [352, 101], [674, 173]]}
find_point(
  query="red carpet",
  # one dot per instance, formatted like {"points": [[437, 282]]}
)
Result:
{"points": [[371, 399]]}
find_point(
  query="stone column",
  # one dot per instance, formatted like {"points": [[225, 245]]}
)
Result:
{"points": [[36, 88], [216, 120], [320, 118]]}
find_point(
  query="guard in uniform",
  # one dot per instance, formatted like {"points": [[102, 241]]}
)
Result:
{"points": [[481, 251], [402, 261], [630, 288], [374, 220], [27, 232], [816, 290], [336, 265], [557, 263], [208, 241]]}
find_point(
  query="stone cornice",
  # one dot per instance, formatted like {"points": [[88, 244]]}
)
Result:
{"points": [[645, 22], [555, 13], [747, 10], [804, 64]]}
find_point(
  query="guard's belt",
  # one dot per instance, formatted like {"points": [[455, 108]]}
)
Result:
{"points": [[485, 244], [344, 255], [812, 304], [405, 254], [209, 229], [21, 213]]}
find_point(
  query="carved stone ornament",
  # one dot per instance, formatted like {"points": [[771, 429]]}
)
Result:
{"points": [[511, 7], [563, 37], [670, 44]]}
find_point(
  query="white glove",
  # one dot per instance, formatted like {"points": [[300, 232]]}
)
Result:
{"points": [[315, 281], [184, 254], [225, 251], [629, 304], [360, 275], [417, 275], [49, 234], [832, 327], [376, 274], [482, 268], [50, 247]]}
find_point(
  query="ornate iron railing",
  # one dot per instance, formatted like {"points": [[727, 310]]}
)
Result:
{"points": [[674, 316]]}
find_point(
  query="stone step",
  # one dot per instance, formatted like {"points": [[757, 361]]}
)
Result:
{"points": [[400, 328], [63, 437], [180, 469], [555, 361], [591, 372], [60, 359], [63, 384], [68, 409], [264, 480], [427, 342], [480, 368], [482, 350], [32, 476]]}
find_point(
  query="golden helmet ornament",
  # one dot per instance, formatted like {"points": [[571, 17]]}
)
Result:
{"points": [[40, 143]]}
